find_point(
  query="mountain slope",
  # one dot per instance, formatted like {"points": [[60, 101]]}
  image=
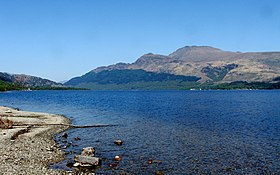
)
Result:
{"points": [[27, 80], [205, 64], [127, 79], [194, 60], [202, 54], [7, 86]]}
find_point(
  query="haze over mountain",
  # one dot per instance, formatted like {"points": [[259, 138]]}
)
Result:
{"points": [[207, 63]]}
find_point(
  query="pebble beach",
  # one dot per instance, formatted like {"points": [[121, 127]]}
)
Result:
{"points": [[27, 148]]}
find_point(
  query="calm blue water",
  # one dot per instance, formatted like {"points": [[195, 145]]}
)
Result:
{"points": [[183, 132]]}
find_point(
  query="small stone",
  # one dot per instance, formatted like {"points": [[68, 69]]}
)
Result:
{"points": [[8, 111], [70, 164], [118, 142], [159, 173], [76, 164], [88, 151], [117, 158], [50, 149], [150, 161], [65, 135], [77, 138], [112, 165]]}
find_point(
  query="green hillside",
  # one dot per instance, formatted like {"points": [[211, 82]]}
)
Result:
{"points": [[242, 85], [6, 86], [130, 79]]}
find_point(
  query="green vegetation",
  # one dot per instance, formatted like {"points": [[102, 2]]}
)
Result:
{"points": [[218, 73], [127, 76], [177, 85], [276, 79], [156, 85], [242, 85], [57, 88], [127, 79], [166, 85], [6, 86], [143, 80]]}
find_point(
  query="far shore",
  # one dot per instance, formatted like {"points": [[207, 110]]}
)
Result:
{"points": [[29, 149]]}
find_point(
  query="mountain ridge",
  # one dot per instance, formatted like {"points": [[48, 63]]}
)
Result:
{"points": [[209, 64], [193, 60], [186, 67]]}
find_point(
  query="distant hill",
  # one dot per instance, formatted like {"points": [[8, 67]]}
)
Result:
{"points": [[207, 64], [7, 86], [27, 80]]}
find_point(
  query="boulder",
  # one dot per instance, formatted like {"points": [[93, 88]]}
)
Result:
{"points": [[88, 151], [87, 161]]}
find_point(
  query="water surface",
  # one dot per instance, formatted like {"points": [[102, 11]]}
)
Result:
{"points": [[183, 132]]}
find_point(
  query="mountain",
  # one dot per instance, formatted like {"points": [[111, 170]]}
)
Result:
{"points": [[130, 79], [27, 80], [201, 54], [209, 64]]}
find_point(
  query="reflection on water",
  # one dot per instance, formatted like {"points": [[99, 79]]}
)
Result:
{"points": [[183, 132]]}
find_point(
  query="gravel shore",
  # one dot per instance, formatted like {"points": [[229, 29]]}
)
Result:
{"points": [[34, 149]]}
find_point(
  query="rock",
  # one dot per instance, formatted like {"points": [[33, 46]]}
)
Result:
{"points": [[70, 164], [50, 149], [77, 138], [65, 135], [73, 145], [112, 165], [117, 158], [8, 111], [150, 161], [118, 142], [88, 151], [87, 161], [76, 164], [159, 173]]}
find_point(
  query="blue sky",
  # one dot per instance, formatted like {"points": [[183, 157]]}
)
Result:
{"points": [[60, 39]]}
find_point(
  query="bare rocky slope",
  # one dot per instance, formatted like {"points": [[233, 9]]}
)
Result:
{"points": [[210, 64]]}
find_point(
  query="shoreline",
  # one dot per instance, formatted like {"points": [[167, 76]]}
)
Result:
{"points": [[32, 148]]}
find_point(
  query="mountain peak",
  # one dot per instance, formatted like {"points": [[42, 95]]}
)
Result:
{"points": [[194, 47], [208, 63], [150, 57], [200, 53]]}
